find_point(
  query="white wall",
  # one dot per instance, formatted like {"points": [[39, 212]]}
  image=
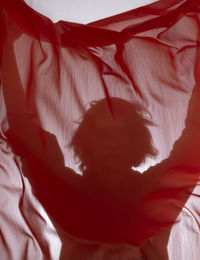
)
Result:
{"points": [[84, 11]]}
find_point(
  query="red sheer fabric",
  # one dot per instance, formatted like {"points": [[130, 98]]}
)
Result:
{"points": [[99, 127]]}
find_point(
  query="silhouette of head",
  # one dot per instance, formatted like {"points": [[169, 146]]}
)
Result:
{"points": [[113, 134]]}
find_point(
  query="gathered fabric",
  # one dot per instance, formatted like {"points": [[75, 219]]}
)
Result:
{"points": [[100, 134]]}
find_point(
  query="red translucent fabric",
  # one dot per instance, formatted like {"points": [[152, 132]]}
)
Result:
{"points": [[100, 138]]}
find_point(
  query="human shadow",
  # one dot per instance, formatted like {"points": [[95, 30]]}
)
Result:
{"points": [[112, 138], [108, 202], [102, 204]]}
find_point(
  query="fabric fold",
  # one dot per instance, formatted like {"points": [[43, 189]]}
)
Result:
{"points": [[99, 129]]}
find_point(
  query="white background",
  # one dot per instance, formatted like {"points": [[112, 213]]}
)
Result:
{"points": [[84, 11]]}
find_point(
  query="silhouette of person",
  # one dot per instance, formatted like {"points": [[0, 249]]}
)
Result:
{"points": [[101, 203], [109, 202], [108, 142]]}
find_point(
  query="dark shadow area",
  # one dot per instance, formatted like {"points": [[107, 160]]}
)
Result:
{"points": [[111, 138]]}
